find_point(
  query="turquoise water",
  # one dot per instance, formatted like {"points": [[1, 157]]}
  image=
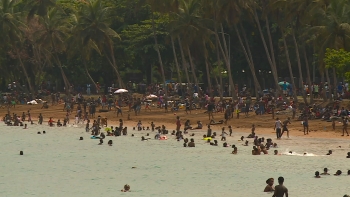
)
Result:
{"points": [[58, 164]]}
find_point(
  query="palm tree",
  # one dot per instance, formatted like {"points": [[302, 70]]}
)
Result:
{"points": [[163, 6], [10, 25], [332, 28], [93, 23], [38, 7], [53, 37]]}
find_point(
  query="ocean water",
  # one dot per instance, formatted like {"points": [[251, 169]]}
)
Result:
{"points": [[57, 164]]}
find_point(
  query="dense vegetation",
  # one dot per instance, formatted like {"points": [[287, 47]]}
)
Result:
{"points": [[253, 42]]}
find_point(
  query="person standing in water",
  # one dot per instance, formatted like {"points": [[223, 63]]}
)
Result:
{"points": [[280, 189], [278, 125]]}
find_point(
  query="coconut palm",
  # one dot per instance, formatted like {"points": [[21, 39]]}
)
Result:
{"points": [[10, 26], [332, 27], [93, 22], [53, 37]]}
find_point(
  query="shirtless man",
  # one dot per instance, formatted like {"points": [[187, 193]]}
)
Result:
{"points": [[280, 189], [285, 127]]}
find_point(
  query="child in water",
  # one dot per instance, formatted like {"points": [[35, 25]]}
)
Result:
{"points": [[126, 188]]}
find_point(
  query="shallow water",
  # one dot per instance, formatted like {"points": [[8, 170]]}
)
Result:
{"points": [[58, 164]]}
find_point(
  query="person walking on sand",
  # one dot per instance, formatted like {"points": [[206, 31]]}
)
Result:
{"points": [[278, 125], [280, 189], [345, 125]]}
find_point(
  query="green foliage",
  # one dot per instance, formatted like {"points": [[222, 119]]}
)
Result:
{"points": [[339, 59]]}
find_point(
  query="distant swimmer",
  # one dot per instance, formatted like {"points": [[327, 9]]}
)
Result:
{"points": [[338, 173], [126, 188], [329, 152], [348, 155], [325, 172], [269, 187], [280, 189], [317, 174]]}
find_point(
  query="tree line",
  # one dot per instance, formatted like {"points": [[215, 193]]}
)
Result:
{"points": [[214, 42]]}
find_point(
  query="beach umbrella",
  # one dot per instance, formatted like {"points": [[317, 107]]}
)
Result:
{"points": [[282, 82], [151, 96], [120, 91]]}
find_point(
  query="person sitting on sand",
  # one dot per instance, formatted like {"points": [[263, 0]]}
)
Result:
{"points": [[252, 135], [338, 173], [126, 188], [325, 172], [50, 122], [187, 125], [199, 125], [212, 122], [191, 144], [317, 174], [269, 187], [59, 124]]}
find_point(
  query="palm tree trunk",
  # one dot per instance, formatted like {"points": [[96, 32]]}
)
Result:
{"points": [[272, 65], [25, 73], [295, 96], [308, 75], [177, 63], [192, 67], [323, 90], [116, 71], [208, 70], [65, 80], [220, 71], [87, 72], [227, 62], [159, 56], [329, 85], [335, 85], [299, 66], [272, 52], [250, 62], [184, 66]]}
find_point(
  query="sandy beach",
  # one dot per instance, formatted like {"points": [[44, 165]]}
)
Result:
{"points": [[58, 164]]}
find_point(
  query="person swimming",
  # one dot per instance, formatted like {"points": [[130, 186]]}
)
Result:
{"points": [[126, 188], [275, 152], [325, 172], [269, 187], [348, 155], [110, 142], [338, 173], [101, 142], [317, 174], [329, 152]]}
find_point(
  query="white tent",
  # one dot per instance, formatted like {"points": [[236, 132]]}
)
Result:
{"points": [[120, 91]]}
